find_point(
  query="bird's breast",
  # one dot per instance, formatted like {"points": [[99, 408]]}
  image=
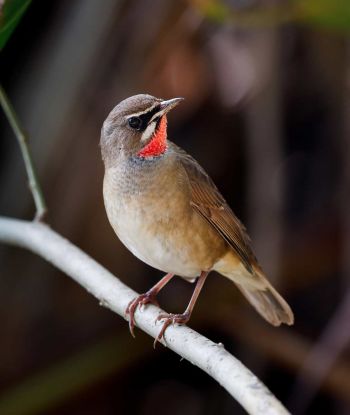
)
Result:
{"points": [[156, 223]]}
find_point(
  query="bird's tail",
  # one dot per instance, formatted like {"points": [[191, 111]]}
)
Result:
{"points": [[259, 292], [269, 304]]}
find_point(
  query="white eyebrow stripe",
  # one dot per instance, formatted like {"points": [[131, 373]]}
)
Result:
{"points": [[137, 114]]}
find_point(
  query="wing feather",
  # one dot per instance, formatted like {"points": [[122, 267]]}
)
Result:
{"points": [[210, 204]]}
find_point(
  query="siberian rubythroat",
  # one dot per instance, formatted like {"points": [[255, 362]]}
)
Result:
{"points": [[167, 211]]}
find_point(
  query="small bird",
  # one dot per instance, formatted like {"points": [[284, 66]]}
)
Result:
{"points": [[168, 212]]}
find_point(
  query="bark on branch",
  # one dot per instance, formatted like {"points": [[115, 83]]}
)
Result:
{"points": [[229, 372]]}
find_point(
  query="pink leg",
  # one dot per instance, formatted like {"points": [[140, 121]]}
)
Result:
{"points": [[182, 318], [148, 297]]}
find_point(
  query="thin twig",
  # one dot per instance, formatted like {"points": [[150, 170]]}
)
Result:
{"points": [[321, 358], [33, 182], [245, 387]]}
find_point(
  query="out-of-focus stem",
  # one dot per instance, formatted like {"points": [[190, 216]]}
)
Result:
{"points": [[22, 138]]}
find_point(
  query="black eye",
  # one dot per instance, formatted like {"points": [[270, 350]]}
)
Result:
{"points": [[135, 122]]}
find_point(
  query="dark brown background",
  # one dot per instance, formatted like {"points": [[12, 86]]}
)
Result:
{"points": [[266, 114]]}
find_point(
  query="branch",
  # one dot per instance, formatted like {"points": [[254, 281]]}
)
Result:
{"points": [[229, 372], [33, 181]]}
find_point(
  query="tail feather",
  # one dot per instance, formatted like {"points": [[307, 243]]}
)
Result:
{"points": [[257, 290], [269, 304]]}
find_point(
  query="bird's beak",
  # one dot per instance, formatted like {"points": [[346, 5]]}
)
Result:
{"points": [[166, 106]]}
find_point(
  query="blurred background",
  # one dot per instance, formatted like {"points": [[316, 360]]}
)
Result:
{"points": [[267, 115]]}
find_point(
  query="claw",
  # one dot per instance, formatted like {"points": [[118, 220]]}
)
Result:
{"points": [[170, 319], [141, 300]]}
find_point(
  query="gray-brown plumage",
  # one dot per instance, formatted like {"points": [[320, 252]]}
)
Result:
{"points": [[168, 212]]}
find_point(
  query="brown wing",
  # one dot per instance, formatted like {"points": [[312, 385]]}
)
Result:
{"points": [[210, 204]]}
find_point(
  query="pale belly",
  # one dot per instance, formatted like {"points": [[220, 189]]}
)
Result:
{"points": [[168, 254], [165, 236]]}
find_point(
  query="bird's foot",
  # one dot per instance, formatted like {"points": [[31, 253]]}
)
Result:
{"points": [[170, 319], [141, 300]]}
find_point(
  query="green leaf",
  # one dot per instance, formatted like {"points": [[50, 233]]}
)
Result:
{"points": [[11, 12], [333, 14], [215, 10]]}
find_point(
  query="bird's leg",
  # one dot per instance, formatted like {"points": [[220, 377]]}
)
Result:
{"points": [[148, 297], [182, 318]]}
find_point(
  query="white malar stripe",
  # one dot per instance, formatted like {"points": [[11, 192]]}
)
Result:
{"points": [[158, 115], [137, 114], [149, 131]]}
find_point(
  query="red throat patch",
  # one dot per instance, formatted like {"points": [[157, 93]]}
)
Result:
{"points": [[158, 144]]}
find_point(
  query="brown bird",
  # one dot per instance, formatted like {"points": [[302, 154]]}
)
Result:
{"points": [[167, 211]]}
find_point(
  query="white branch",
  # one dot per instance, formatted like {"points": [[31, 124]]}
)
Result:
{"points": [[245, 387]]}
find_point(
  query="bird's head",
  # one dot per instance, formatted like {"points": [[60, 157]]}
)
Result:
{"points": [[137, 127]]}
